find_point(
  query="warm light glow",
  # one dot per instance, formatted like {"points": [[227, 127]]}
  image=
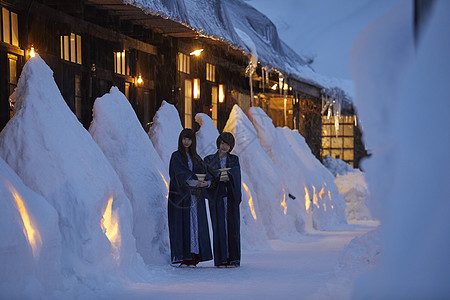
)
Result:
{"points": [[139, 80], [32, 234], [196, 52], [165, 182], [274, 87], [283, 203], [322, 191], [196, 88], [250, 200], [110, 227], [329, 196], [307, 199], [315, 199], [221, 93], [32, 52]]}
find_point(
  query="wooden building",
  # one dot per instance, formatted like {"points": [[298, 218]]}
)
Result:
{"points": [[92, 45]]}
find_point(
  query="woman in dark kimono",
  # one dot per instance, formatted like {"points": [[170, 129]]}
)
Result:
{"points": [[224, 199], [188, 224]]}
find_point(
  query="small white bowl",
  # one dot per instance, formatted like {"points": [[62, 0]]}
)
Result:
{"points": [[201, 177]]}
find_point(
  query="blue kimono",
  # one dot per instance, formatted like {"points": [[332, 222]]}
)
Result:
{"points": [[188, 224], [224, 199]]}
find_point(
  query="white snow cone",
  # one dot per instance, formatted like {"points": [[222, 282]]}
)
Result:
{"points": [[165, 131], [116, 129], [263, 175], [57, 158]]}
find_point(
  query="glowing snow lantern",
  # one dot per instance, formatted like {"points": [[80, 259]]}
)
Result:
{"points": [[31, 233], [250, 200], [110, 226], [283, 203], [307, 199]]}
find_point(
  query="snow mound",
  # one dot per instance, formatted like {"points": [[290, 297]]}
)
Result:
{"points": [[30, 240], [206, 135], [361, 254], [253, 235], [321, 195], [116, 129], [264, 177], [165, 131], [409, 172], [352, 185], [285, 160], [57, 158], [336, 166], [354, 188]]}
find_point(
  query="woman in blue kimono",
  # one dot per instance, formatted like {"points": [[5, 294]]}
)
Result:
{"points": [[188, 224], [224, 196]]}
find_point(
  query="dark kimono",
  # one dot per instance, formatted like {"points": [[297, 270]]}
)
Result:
{"points": [[182, 199], [224, 199]]}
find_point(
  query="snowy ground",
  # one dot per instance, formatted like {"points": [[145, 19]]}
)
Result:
{"points": [[305, 269]]}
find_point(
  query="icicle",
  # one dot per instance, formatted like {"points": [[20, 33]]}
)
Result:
{"points": [[280, 82], [263, 75], [249, 72], [337, 114], [329, 108]]}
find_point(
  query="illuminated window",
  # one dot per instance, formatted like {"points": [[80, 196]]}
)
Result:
{"points": [[196, 88], [10, 27], [120, 63], [221, 93], [214, 98], [188, 103], [71, 48], [183, 63], [338, 143], [12, 80], [210, 72]]}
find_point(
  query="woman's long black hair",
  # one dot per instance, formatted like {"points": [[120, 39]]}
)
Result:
{"points": [[189, 133]]}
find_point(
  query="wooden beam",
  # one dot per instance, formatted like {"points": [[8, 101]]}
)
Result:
{"points": [[98, 31]]}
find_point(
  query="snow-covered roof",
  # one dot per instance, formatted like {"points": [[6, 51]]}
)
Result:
{"points": [[243, 27]]}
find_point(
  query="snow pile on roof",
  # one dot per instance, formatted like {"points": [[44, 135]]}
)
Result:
{"points": [[253, 235], [30, 240], [269, 189], [116, 129], [57, 158], [165, 131], [232, 21], [408, 172], [311, 184]]}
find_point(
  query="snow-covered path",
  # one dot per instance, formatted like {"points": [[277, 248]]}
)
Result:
{"points": [[290, 270]]}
